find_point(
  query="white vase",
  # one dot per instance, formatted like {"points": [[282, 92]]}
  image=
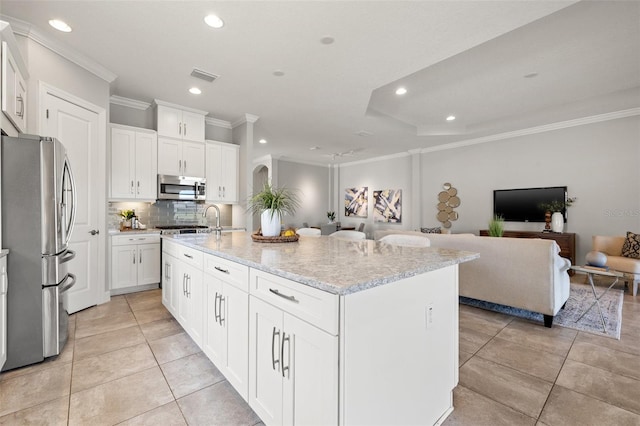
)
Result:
{"points": [[270, 223], [557, 222]]}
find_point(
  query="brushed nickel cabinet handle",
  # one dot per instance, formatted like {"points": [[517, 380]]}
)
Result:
{"points": [[217, 268], [215, 308], [284, 296], [274, 361], [284, 369]]}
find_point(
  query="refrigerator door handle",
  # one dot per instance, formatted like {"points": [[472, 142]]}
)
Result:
{"points": [[64, 286], [74, 199], [68, 255]]}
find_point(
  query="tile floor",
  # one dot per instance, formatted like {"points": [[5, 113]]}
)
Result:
{"points": [[129, 362]]}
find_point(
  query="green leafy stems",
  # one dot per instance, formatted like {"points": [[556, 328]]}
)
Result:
{"points": [[282, 200], [496, 226]]}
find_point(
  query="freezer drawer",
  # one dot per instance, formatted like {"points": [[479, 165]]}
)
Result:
{"points": [[55, 320]]}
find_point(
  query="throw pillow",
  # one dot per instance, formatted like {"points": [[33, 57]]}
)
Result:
{"points": [[431, 230], [631, 246]]}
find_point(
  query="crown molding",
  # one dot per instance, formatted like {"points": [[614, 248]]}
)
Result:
{"points": [[181, 107], [246, 118], [129, 103], [538, 129], [218, 123], [28, 30], [305, 162], [375, 159]]}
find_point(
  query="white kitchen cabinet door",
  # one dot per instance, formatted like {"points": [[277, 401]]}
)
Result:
{"points": [[191, 305], [214, 344], [169, 122], [265, 379], [192, 126], [146, 165], [310, 364], [193, 159], [169, 283], [4, 284], [235, 310], [222, 172], [169, 157], [14, 90], [122, 163], [124, 267], [148, 264]]}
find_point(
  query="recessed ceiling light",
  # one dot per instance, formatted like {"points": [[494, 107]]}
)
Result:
{"points": [[60, 25], [451, 118], [262, 141], [531, 75], [195, 91], [401, 91], [214, 21], [278, 73], [327, 40]]}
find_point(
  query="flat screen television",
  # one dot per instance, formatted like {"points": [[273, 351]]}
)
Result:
{"points": [[522, 205]]}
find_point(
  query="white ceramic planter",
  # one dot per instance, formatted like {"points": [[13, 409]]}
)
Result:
{"points": [[557, 222], [270, 224]]}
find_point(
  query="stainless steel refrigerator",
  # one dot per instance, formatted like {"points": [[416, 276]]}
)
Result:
{"points": [[38, 212]]}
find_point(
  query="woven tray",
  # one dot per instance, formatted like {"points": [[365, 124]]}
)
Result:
{"points": [[260, 239]]}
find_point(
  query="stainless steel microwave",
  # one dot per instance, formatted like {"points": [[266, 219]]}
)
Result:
{"points": [[181, 188]]}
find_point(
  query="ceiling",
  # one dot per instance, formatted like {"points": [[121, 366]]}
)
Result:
{"points": [[462, 58]]}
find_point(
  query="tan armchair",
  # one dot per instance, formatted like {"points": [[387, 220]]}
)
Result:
{"points": [[612, 247]]}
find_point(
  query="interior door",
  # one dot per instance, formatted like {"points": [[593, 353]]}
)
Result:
{"points": [[77, 128]]}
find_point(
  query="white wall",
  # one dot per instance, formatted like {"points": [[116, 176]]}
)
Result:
{"points": [[312, 185], [390, 173]]}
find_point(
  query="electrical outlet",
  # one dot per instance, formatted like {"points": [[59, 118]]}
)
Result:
{"points": [[429, 315]]}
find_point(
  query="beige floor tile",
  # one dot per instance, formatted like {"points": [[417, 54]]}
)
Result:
{"points": [[107, 342], [566, 407], [173, 347], [91, 327], [144, 299], [33, 389], [167, 415], [555, 340], [109, 366], [50, 413], [120, 400], [522, 392], [618, 362], [604, 385], [629, 343], [156, 313], [218, 404], [463, 357], [158, 329], [191, 373], [471, 340], [117, 305], [484, 321], [543, 365], [472, 408]]}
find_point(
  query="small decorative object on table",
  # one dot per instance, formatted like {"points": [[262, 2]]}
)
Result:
{"points": [[554, 214], [331, 216], [272, 204], [126, 216], [596, 258], [288, 236]]}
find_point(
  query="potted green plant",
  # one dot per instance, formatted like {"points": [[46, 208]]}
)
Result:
{"points": [[553, 214], [126, 216], [273, 203], [496, 226], [331, 216]]}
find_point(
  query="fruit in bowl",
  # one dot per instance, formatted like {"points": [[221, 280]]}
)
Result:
{"points": [[288, 233]]}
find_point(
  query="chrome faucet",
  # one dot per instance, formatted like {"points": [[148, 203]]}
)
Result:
{"points": [[218, 228]]}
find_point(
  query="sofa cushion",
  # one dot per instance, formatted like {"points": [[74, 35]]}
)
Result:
{"points": [[631, 246], [624, 264]]}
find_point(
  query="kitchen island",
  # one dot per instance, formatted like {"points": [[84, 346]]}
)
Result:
{"points": [[322, 331]]}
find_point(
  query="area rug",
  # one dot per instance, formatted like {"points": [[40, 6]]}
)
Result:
{"points": [[580, 298]]}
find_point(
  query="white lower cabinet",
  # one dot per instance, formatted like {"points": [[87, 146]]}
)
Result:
{"points": [[187, 280], [135, 261], [169, 284], [4, 283], [293, 365]]}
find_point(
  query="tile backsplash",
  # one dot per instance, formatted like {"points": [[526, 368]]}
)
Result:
{"points": [[169, 213]]}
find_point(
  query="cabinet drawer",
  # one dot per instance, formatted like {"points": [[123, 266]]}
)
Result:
{"points": [[307, 303], [230, 272], [169, 247], [121, 240], [190, 256]]}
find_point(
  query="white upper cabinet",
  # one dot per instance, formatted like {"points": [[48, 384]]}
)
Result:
{"points": [[222, 172], [181, 158], [134, 159], [178, 122], [14, 80]]}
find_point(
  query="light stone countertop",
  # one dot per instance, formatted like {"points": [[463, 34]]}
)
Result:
{"points": [[330, 264], [4, 252]]}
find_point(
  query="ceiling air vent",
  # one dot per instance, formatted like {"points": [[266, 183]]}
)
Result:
{"points": [[203, 75]]}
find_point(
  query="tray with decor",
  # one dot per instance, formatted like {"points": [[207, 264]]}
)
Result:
{"points": [[259, 238]]}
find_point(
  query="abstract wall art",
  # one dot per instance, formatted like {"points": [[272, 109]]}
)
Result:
{"points": [[388, 206], [356, 202]]}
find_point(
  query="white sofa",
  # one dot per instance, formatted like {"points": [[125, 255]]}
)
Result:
{"points": [[520, 272], [612, 247]]}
